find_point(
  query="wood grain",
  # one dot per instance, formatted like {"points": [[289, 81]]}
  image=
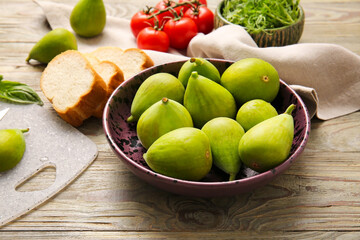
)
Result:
{"points": [[317, 198]]}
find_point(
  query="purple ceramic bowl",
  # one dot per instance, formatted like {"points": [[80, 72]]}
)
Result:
{"points": [[126, 145]]}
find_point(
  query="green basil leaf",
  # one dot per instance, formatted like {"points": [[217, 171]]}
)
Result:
{"points": [[18, 93]]}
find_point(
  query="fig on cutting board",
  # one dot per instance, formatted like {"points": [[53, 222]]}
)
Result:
{"points": [[88, 17], [162, 117], [152, 90], [224, 135], [251, 78], [12, 147], [254, 112], [206, 99], [183, 153], [52, 44], [268, 144], [201, 66]]}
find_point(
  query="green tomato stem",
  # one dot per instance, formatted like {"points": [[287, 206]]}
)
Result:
{"points": [[171, 8]]}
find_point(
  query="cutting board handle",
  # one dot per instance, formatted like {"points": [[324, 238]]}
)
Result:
{"points": [[51, 142]]}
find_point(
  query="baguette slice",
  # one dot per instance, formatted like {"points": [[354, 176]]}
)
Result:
{"points": [[131, 61], [112, 76], [73, 87]]}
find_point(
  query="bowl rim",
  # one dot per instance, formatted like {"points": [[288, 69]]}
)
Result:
{"points": [[266, 30], [267, 174]]}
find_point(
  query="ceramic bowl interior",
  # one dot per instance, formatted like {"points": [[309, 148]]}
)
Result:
{"points": [[269, 37], [123, 140]]}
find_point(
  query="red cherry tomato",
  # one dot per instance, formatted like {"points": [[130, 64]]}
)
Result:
{"points": [[140, 21], [152, 39], [165, 16], [186, 7], [180, 32], [203, 17]]}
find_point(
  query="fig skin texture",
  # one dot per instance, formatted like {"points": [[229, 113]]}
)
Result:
{"points": [[88, 18], [202, 66], [268, 144], [183, 153], [251, 78], [206, 99], [162, 117], [152, 90], [12, 147], [224, 135], [53, 43], [254, 112]]}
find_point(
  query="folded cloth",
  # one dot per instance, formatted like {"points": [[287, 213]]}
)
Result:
{"points": [[326, 76]]}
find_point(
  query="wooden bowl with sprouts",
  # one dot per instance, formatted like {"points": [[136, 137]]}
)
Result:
{"points": [[270, 23]]}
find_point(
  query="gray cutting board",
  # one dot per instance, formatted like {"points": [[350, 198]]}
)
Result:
{"points": [[50, 142]]}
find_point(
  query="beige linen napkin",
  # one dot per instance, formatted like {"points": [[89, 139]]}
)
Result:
{"points": [[326, 76]]}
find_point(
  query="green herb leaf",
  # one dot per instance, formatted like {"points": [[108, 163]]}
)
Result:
{"points": [[261, 15], [18, 93]]}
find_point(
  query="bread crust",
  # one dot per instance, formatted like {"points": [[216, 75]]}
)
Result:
{"points": [[93, 101], [115, 80], [117, 55], [87, 102]]}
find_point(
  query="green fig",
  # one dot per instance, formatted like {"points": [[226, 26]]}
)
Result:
{"points": [[224, 135], [12, 148], [200, 65], [152, 90], [88, 17], [53, 43], [183, 153], [268, 144], [251, 78], [254, 112], [206, 99], [162, 117]]}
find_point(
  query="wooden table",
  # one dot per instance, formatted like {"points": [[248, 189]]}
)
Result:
{"points": [[317, 198]]}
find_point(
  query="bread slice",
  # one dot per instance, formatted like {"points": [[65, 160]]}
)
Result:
{"points": [[131, 61], [112, 76], [73, 87]]}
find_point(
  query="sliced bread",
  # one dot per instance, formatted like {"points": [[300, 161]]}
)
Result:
{"points": [[73, 87], [112, 76], [131, 61]]}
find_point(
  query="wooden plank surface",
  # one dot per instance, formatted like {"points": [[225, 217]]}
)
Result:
{"points": [[317, 198]]}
